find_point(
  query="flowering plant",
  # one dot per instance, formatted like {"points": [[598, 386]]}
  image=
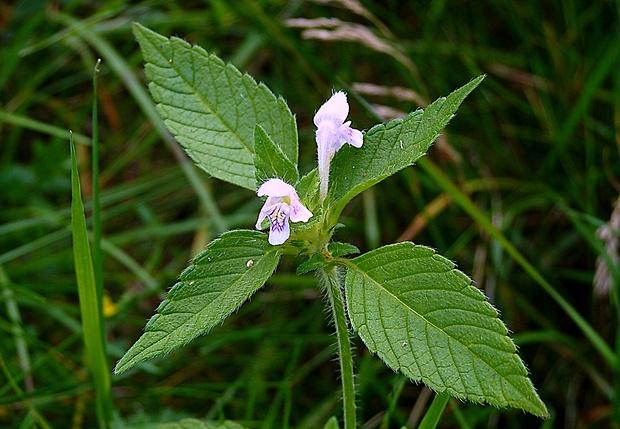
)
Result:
{"points": [[409, 305]]}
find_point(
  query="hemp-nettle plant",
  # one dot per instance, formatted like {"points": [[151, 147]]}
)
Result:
{"points": [[409, 305]]}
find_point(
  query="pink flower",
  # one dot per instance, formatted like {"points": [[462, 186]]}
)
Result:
{"points": [[282, 204], [332, 133]]}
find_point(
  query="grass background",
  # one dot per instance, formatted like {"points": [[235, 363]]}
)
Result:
{"points": [[535, 148]]}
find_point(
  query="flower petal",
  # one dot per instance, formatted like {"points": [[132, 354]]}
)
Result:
{"points": [[264, 211], [275, 188], [350, 135], [277, 237], [334, 110], [299, 213], [279, 230]]}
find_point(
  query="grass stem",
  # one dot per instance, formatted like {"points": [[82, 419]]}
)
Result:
{"points": [[434, 412]]}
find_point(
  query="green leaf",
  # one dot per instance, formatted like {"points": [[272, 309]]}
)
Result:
{"points": [[391, 147], [219, 280], [211, 108], [341, 249], [425, 319], [92, 326], [313, 263], [308, 191], [332, 423], [269, 160], [191, 423]]}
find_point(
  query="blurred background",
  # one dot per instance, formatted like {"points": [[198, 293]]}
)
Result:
{"points": [[533, 153]]}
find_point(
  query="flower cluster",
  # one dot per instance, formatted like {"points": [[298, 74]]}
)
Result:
{"points": [[282, 201]]}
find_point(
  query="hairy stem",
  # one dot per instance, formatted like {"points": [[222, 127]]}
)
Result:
{"points": [[331, 281]]}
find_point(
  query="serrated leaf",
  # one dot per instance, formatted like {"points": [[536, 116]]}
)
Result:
{"points": [[211, 108], [391, 147], [313, 263], [219, 280], [309, 184], [308, 191], [342, 249], [424, 318], [269, 160]]}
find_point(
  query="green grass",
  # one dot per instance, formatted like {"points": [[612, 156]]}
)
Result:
{"points": [[514, 193]]}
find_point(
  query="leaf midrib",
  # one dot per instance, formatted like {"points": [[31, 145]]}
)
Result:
{"points": [[363, 273], [193, 50], [385, 166], [195, 315]]}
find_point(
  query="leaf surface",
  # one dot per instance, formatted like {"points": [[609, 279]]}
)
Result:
{"points": [[211, 108], [425, 319], [391, 147], [269, 160], [219, 280]]}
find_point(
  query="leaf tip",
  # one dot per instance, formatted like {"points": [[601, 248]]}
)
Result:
{"points": [[137, 27], [120, 367]]}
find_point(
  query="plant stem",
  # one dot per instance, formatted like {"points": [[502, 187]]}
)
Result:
{"points": [[331, 280]]}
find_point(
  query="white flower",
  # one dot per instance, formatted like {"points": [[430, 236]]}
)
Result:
{"points": [[332, 133], [282, 204]]}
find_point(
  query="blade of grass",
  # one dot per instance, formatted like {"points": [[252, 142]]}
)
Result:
{"points": [[586, 225], [274, 30], [372, 227], [14, 316], [459, 415], [606, 64], [434, 412], [33, 411], [97, 253], [89, 307], [397, 390], [614, 271], [34, 245], [476, 214], [127, 191], [281, 402], [42, 127]]}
